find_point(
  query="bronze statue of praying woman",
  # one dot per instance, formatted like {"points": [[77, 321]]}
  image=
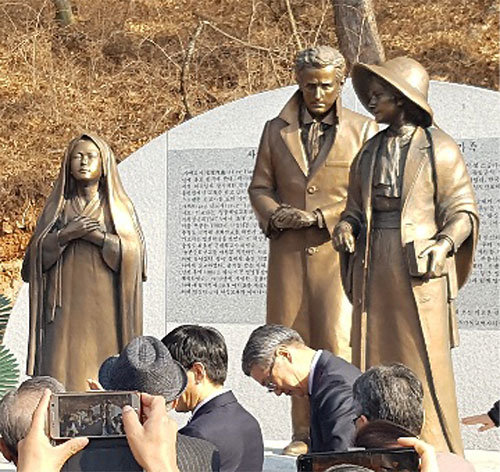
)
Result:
{"points": [[85, 265]]}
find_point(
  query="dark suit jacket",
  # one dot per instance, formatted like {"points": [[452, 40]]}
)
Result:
{"points": [[332, 412], [494, 413], [196, 455], [114, 454], [235, 432]]}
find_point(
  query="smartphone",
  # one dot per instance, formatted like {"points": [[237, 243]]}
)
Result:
{"points": [[401, 459], [91, 414]]}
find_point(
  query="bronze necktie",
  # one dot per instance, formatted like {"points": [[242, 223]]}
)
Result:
{"points": [[313, 140], [387, 171]]}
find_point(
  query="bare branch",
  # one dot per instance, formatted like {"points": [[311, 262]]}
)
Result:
{"points": [[251, 20], [320, 25], [238, 40], [358, 52], [155, 125], [185, 69], [169, 58], [247, 56], [274, 70], [293, 25]]}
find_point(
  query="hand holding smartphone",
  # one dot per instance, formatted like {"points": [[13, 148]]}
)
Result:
{"points": [[91, 414]]}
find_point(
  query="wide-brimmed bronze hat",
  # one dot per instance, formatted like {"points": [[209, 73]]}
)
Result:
{"points": [[404, 74]]}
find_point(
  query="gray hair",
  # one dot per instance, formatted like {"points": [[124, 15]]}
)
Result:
{"points": [[393, 393], [262, 344], [321, 56], [17, 408]]}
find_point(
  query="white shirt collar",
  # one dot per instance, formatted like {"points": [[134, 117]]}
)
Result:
{"points": [[210, 397], [311, 372]]}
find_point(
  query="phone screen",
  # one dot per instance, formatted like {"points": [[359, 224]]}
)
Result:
{"points": [[378, 460], [91, 414]]}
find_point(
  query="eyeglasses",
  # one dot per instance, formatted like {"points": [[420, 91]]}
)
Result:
{"points": [[268, 383]]}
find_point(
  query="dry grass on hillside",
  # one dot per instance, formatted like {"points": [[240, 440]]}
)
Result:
{"points": [[117, 71]]}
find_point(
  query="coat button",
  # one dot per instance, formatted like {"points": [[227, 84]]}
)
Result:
{"points": [[312, 189], [311, 250]]}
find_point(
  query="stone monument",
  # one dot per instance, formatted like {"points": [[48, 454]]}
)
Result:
{"points": [[185, 166]]}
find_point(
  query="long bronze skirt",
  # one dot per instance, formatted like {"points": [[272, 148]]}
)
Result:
{"points": [[395, 334]]}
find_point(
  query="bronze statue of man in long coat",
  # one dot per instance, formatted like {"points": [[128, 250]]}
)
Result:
{"points": [[298, 191]]}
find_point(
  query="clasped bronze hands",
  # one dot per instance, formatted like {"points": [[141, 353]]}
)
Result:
{"points": [[288, 217]]}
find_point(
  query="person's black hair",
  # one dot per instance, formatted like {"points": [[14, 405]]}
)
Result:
{"points": [[391, 393], [193, 343], [380, 434]]}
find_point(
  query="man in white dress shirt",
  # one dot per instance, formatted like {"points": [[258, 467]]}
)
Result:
{"points": [[216, 414], [276, 357]]}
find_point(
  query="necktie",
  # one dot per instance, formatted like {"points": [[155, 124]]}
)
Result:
{"points": [[313, 139], [388, 172]]}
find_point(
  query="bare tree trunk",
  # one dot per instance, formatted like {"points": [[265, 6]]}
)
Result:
{"points": [[357, 32], [64, 14]]}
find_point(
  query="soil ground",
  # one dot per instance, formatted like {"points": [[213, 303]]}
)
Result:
{"points": [[118, 71]]}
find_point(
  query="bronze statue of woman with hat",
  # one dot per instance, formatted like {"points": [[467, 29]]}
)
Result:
{"points": [[407, 239]]}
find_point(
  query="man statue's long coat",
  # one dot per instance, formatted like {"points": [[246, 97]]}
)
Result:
{"points": [[304, 289]]}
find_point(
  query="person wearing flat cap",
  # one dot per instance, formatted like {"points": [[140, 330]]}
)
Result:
{"points": [[407, 239], [146, 365]]}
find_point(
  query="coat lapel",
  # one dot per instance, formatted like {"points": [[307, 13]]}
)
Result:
{"points": [[291, 137], [367, 174], [291, 133], [332, 148], [417, 155]]}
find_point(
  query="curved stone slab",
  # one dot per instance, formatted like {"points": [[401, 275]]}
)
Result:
{"points": [[207, 258]]}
